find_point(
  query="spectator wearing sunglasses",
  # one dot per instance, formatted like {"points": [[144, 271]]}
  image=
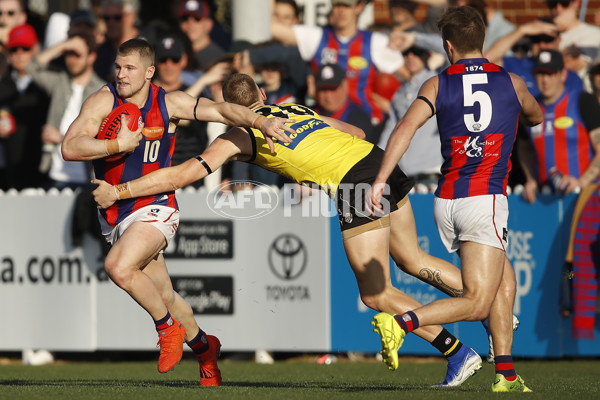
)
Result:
{"points": [[195, 21], [27, 104], [171, 60], [12, 13], [565, 14], [120, 17]]}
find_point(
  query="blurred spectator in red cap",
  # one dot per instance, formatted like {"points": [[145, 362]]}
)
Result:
{"points": [[22, 36], [27, 103], [12, 13], [195, 21]]}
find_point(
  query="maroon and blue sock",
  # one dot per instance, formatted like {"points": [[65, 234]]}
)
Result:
{"points": [[198, 344], [446, 343], [407, 321], [164, 322], [504, 366]]}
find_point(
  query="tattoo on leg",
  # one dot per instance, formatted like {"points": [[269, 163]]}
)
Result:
{"points": [[434, 278]]}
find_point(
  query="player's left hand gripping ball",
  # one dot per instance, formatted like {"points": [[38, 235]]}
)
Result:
{"points": [[110, 127]]}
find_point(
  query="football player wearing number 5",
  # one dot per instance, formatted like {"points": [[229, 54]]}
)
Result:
{"points": [[139, 230], [477, 105]]}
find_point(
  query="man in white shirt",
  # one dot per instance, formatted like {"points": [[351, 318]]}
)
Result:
{"points": [[67, 89], [361, 53], [573, 31]]}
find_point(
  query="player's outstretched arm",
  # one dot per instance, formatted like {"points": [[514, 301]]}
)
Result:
{"points": [[344, 127], [229, 145], [186, 107], [80, 143]]}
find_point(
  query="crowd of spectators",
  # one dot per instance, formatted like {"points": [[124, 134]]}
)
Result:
{"points": [[48, 69]]}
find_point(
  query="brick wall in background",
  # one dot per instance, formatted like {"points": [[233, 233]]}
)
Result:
{"points": [[516, 11]]}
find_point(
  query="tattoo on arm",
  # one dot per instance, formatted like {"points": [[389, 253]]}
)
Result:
{"points": [[434, 278]]}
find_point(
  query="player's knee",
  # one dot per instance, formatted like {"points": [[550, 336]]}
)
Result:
{"points": [[480, 314], [380, 302], [374, 302], [119, 275], [479, 311]]}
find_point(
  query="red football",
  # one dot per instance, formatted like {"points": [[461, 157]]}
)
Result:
{"points": [[109, 128]]}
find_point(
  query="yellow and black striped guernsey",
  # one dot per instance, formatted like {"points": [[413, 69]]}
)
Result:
{"points": [[317, 154]]}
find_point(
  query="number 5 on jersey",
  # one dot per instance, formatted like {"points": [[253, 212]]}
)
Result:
{"points": [[471, 97]]}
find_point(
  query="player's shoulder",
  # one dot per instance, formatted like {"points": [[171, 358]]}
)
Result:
{"points": [[102, 94], [178, 97], [100, 102], [430, 88], [517, 82]]}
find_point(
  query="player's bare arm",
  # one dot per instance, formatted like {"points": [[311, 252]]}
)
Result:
{"points": [[344, 127], [531, 114], [527, 161], [418, 113], [183, 106], [235, 144], [593, 170], [80, 143]]}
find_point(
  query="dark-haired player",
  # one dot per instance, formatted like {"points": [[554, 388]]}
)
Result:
{"points": [[477, 105]]}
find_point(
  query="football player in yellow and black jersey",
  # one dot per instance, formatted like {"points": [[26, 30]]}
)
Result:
{"points": [[331, 154]]}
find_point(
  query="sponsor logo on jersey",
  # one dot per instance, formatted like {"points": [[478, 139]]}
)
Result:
{"points": [[153, 132], [358, 63], [563, 122], [303, 129], [471, 148]]}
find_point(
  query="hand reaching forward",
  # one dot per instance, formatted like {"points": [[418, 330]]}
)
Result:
{"points": [[276, 128]]}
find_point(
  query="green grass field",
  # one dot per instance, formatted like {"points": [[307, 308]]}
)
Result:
{"points": [[290, 379]]}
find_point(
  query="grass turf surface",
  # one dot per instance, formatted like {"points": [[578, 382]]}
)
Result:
{"points": [[288, 380]]}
